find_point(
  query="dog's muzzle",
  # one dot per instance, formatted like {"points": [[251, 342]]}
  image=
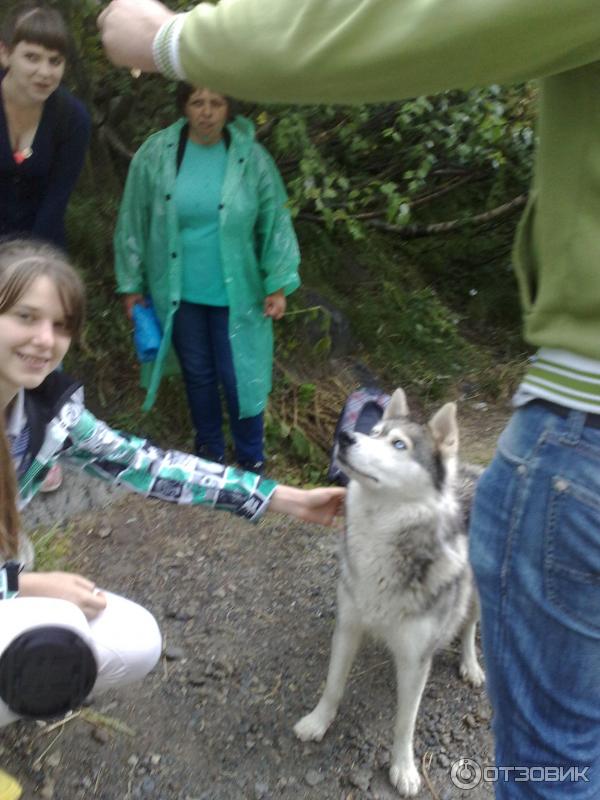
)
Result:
{"points": [[346, 440]]}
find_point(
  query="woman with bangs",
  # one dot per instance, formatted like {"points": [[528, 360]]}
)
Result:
{"points": [[60, 635], [44, 130]]}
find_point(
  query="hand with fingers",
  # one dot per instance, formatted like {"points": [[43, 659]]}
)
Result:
{"points": [[275, 305], [322, 506], [65, 586], [127, 29]]}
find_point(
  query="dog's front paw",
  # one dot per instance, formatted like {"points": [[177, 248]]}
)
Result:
{"points": [[472, 673], [312, 727], [406, 779]]}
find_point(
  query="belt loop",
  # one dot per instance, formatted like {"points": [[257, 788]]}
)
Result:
{"points": [[575, 423]]}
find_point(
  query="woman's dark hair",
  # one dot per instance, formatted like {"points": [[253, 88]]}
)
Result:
{"points": [[24, 260], [183, 92], [36, 24]]}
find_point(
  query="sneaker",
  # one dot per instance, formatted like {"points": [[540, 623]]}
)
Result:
{"points": [[258, 467], [204, 452], [9, 788], [46, 672], [53, 479]]}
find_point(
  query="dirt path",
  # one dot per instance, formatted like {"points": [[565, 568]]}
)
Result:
{"points": [[247, 615]]}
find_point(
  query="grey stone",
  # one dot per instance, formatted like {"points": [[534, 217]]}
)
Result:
{"points": [[313, 777], [174, 653], [261, 790]]}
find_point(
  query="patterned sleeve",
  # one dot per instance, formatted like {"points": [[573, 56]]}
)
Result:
{"points": [[9, 580], [169, 475]]}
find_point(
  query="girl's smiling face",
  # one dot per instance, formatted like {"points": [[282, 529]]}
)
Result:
{"points": [[34, 338]]}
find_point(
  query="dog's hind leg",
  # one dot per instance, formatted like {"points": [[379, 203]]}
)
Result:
{"points": [[470, 670], [345, 643], [411, 676]]}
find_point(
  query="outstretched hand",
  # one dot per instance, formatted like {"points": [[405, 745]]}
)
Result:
{"points": [[321, 506]]}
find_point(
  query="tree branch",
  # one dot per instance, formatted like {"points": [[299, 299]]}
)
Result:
{"points": [[416, 231]]}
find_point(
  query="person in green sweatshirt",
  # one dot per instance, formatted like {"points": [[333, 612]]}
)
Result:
{"points": [[535, 529]]}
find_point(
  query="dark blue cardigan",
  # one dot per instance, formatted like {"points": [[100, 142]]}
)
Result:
{"points": [[34, 194]]}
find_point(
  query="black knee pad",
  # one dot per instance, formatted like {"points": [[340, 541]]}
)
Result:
{"points": [[46, 672]]}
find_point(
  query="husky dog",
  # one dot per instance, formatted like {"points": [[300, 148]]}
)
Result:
{"points": [[404, 575]]}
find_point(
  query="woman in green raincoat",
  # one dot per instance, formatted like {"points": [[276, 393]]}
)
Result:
{"points": [[204, 231]]}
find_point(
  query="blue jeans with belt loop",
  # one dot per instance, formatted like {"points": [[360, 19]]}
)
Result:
{"points": [[535, 551], [201, 341]]}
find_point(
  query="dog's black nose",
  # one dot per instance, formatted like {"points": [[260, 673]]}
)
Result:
{"points": [[345, 439]]}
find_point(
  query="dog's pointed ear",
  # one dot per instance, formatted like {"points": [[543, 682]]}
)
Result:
{"points": [[397, 407], [444, 429]]}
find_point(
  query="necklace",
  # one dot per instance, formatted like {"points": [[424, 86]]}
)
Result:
{"points": [[22, 155]]}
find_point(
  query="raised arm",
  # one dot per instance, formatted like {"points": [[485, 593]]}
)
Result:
{"points": [[354, 50]]}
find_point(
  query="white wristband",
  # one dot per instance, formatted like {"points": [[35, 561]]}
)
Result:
{"points": [[165, 48]]}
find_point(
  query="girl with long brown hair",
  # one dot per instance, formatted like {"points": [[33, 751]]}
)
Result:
{"points": [[83, 637]]}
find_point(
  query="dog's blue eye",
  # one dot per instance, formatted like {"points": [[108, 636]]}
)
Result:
{"points": [[399, 444]]}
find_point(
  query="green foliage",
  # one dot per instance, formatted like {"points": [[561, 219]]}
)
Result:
{"points": [[52, 547], [351, 165]]}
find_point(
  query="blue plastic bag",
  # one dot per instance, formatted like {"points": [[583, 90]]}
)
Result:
{"points": [[147, 334]]}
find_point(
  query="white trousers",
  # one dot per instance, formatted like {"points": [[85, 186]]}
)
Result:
{"points": [[124, 638]]}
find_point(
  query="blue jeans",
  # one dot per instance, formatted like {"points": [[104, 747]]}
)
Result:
{"points": [[201, 341], [535, 551]]}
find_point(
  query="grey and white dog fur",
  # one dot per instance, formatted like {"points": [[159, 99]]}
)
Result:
{"points": [[404, 573]]}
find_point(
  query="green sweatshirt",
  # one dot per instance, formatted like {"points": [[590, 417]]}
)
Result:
{"points": [[356, 51]]}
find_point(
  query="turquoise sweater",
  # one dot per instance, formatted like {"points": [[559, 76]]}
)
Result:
{"points": [[198, 189]]}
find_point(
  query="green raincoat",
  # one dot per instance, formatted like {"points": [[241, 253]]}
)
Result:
{"points": [[259, 252]]}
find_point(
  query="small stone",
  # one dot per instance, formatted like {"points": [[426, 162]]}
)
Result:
{"points": [[261, 790], [173, 653], [186, 614], [443, 760], [53, 759], [221, 593], [132, 761], [361, 778], [47, 790], [104, 532], [155, 759], [101, 735], [197, 677], [313, 777], [470, 721], [147, 786]]}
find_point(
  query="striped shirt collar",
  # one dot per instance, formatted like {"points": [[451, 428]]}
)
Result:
{"points": [[562, 377]]}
